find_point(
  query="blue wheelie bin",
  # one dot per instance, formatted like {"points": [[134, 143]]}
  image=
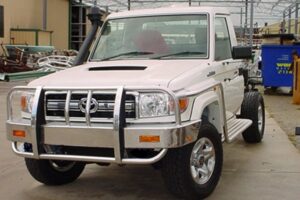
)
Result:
{"points": [[276, 62]]}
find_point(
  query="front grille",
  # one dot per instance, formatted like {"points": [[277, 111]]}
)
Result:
{"points": [[102, 105]]}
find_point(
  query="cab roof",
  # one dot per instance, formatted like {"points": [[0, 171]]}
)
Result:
{"points": [[169, 11]]}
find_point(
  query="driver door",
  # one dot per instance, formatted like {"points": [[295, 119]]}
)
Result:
{"points": [[227, 70]]}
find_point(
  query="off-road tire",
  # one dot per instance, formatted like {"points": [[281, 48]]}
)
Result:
{"points": [[44, 172], [176, 167], [253, 108]]}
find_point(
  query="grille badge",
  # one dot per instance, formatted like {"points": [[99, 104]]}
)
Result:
{"points": [[93, 106]]}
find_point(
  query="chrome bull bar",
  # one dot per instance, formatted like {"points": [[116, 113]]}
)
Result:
{"points": [[119, 122]]}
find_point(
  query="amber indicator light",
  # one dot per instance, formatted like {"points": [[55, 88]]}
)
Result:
{"points": [[19, 133], [183, 104], [149, 138], [23, 103]]}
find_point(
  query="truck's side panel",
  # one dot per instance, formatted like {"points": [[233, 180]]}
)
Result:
{"points": [[208, 105]]}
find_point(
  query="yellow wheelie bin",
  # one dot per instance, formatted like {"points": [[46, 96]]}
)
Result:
{"points": [[296, 83]]}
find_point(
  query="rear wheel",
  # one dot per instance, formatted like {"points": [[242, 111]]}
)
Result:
{"points": [[253, 108], [193, 171], [54, 172]]}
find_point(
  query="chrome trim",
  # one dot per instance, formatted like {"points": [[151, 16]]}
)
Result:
{"points": [[152, 160], [171, 135], [78, 119], [29, 128], [45, 101], [116, 124], [8, 105], [155, 159], [226, 133], [52, 89], [56, 105], [23, 154], [67, 107], [34, 113], [10, 126], [88, 108], [77, 158], [60, 105], [137, 105], [79, 135]]}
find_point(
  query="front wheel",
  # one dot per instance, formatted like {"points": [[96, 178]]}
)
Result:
{"points": [[52, 172], [193, 171]]}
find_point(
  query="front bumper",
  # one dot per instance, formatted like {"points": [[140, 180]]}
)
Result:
{"points": [[170, 136], [118, 135]]}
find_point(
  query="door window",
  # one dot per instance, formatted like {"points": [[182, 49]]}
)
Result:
{"points": [[223, 45]]}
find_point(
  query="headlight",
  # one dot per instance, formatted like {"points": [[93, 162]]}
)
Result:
{"points": [[20, 104], [159, 104], [155, 105]]}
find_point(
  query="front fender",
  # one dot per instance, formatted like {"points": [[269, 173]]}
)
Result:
{"points": [[210, 103]]}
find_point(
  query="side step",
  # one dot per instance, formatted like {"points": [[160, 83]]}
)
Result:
{"points": [[236, 127]]}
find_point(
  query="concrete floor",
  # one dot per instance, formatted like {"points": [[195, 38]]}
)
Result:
{"points": [[280, 107], [269, 170]]}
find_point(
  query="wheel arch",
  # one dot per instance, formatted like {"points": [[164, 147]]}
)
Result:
{"points": [[208, 107]]}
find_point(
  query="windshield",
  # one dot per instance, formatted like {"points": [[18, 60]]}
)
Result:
{"points": [[159, 37]]}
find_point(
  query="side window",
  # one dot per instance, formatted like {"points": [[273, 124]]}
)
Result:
{"points": [[223, 45]]}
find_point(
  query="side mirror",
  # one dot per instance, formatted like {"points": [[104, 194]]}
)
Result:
{"points": [[239, 52]]}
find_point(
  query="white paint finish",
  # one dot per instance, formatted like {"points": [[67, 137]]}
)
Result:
{"points": [[157, 73], [227, 73], [168, 11], [209, 100], [235, 94], [231, 31]]}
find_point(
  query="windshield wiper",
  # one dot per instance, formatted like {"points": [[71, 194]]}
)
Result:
{"points": [[178, 54], [134, 53]]}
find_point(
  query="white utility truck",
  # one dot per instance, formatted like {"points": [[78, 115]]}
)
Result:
{"points": [[161, 86]]}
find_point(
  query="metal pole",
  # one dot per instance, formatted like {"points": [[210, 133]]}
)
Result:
{"points": [[241, 25], [45, 14], [283, 24], [129, 4], [289, 22], [246, 19], [296, 18], [251, 22]]}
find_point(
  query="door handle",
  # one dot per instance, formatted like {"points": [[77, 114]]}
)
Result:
{"points": [[211, 73]]}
